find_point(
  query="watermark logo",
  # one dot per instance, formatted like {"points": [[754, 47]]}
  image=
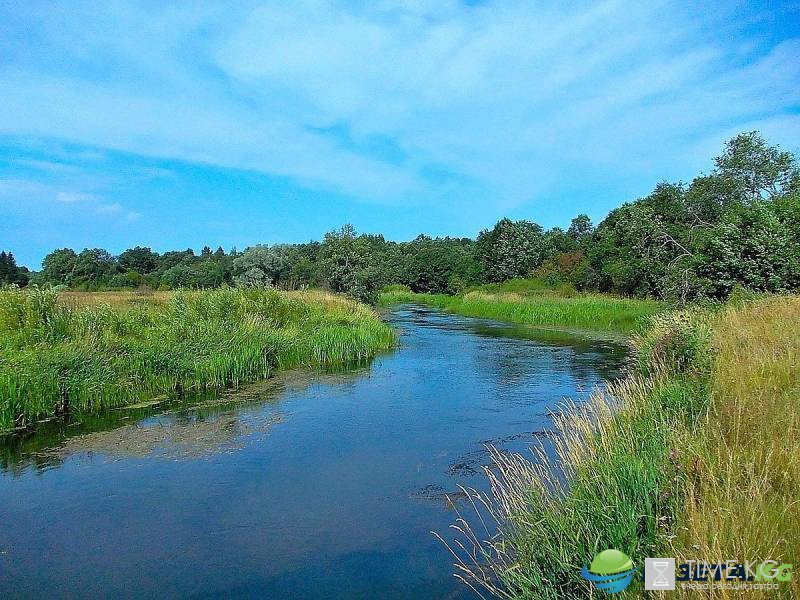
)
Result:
{"points": [[610, 571], [659, 574], [701, 575]]}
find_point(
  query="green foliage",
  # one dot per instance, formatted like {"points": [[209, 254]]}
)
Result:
{"points": [[262, 266], [511, 249], [738, 225], [138, 259], [673, 343], [345, 262], [756, 170], [10, 273], [198, 275], [441, 265], [750, 246], [58, 266], [396, 288], [91, 265], [580, 228]]}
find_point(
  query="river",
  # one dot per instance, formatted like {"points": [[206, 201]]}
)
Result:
{"points": [[306, 486]]}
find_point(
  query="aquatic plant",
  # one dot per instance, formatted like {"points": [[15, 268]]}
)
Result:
{"points": [[71, 354]]}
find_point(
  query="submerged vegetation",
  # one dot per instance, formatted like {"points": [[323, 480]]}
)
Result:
{"points": [[532, 302], [78, 353], [694, 455]]}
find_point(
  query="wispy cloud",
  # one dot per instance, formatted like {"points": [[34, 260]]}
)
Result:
{"points": [[283, 119], [73, 197], [38, 197], [508, 98]]}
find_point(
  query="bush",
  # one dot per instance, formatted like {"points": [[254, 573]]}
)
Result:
{"points": [[674, 342]]}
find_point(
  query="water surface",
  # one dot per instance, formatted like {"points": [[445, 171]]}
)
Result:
{"points": [[306, 486]]}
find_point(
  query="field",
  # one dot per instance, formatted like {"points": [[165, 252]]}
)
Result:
{"points": [[693, 456], [531, 303], [74, 352]]}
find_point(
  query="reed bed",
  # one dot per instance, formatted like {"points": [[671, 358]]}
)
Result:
{"points": [[584, 311], [694, 455], [75, 353]]}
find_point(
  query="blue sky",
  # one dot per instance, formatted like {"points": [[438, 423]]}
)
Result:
{"points": [[176, 125]]}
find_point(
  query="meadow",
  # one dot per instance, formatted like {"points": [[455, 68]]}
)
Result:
{"points": [[531, 302], [693, 455], [66, 353]]}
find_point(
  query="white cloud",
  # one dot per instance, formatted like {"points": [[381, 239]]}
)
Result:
{"points": [[35, 197], [511, 98], [72, 197], [109, 209]]}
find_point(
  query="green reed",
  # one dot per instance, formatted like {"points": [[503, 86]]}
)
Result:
{"points": [[58, 358], [582, 311]]}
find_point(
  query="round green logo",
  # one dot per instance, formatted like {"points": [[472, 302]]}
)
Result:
{"points": [[610, 571]]}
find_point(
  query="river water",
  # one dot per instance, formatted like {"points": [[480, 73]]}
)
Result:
{"points": [[306, 486]]}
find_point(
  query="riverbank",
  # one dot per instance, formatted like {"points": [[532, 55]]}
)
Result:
{"points": [[84, 352], [516, 303], [693, 456]]}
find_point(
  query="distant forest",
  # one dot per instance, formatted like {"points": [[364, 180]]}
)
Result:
{"points": [[737, 226]]}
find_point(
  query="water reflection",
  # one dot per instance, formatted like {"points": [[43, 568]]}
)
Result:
{"points": [[309, 485], [192, 427]]}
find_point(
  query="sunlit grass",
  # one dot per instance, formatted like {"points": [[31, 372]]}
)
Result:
{"points": [[86, 352], [694, 456], [583, 311], [743, 499]]}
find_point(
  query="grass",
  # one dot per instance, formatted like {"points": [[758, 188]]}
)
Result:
{"points": [[743, 498], [694, 456], [529, 302], [74, 353]]}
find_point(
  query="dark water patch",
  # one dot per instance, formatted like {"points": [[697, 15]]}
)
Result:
{"points": [[306, 486]]}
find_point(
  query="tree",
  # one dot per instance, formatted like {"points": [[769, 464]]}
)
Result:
{"points": [[737, 225], [343, 261], [261, 265], [94, 264], [622, 252], [139, 259], [758, 171], [58, 266], [511, 249], [440, 265], [580, 228], [750, 247], [10, 273], [173, 259], [129, 279]]}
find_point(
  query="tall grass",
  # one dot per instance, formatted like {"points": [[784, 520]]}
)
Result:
{"points": [[743, 499], [73, 354], [694, 455], [583, 311]]}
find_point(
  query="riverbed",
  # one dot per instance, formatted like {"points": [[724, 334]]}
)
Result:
{"points": [[310, 485]]}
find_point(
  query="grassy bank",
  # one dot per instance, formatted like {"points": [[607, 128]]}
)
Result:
{"points": [[86, 352], [693, 456], [525, 302]]}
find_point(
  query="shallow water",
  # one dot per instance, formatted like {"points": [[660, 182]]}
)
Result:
{"points": [[306, 486]]}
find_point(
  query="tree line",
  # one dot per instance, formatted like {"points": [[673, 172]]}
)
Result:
{"points": [[736, 226]]}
